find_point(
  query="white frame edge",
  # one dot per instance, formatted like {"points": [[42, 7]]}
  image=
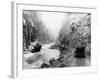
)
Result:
{"points": [[16, 70]]}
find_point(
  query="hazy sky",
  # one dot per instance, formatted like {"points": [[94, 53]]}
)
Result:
{"points": [[53, 21]]}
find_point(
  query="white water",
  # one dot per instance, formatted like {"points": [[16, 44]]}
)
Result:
{"points": [[46, 55]]}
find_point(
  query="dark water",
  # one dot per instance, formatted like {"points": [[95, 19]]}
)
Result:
{"points": [[81, 62]]}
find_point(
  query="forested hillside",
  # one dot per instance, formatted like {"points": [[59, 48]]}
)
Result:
{"points": [[34, 29]]}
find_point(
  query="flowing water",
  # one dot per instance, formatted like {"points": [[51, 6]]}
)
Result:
{"points": [[81, 62]]}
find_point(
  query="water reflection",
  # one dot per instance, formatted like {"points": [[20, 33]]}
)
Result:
{"points": [[81, 62]]}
